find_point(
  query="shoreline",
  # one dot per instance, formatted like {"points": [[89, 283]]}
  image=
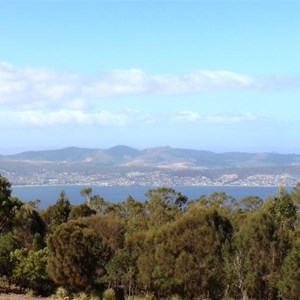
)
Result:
{"points": [[154, 186], [48, 194]]}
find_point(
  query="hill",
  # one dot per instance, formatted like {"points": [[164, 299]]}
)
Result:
{"points": [[161, 157]]}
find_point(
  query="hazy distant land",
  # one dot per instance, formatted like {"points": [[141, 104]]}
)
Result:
{"points": [[126, 166]]}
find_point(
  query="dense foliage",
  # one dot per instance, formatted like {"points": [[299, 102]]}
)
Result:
{"points": [[213, 247]]}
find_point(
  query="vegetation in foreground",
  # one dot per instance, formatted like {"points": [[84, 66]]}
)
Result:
{"points": [[168, 247]]}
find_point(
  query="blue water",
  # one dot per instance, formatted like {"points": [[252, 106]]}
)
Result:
{"points": [[49, 194]]}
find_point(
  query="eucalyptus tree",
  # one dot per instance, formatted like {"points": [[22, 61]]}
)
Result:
{"points": [[164, 205], [253, 266]]}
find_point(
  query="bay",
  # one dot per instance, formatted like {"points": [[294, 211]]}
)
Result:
{"points": [[49, 194]]}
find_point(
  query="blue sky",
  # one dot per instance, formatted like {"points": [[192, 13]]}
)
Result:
{"points": [[211, 75]]}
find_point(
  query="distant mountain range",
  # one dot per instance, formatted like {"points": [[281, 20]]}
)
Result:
{"points": [[123, 165], [154, 158]]}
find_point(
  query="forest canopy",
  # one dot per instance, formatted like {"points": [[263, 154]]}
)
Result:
{"points": [[212, 247]]}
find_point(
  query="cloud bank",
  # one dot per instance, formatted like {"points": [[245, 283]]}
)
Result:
{"points": [[42, 97], [132, 118], [32, 88]]}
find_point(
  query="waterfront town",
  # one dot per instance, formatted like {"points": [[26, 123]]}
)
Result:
{"points": [[151, 178]]}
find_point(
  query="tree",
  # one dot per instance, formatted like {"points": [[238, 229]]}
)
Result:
{"points": [[289, 282], [201, 234], [58, 213], [164, 205], [283, 209], [86, 193], [184, 256], [108, 228], [284, 214], [121, 272], [134, 214], [80, 211], [8, 243], [5, 189], [8, 205], [218, 200], [168, 198], [30, 269], [134, 247], [77, 256], [98, 204], [251, 202], [253, 263], [156, 269], [295, 195], [27, 225]]}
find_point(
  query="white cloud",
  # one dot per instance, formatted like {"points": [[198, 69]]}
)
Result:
{"points": [[33, 88], [30, 87], [193, 117], [232, 118], [129, 118], [103, 118], [202, 80], [187, 116], [62, 117]]}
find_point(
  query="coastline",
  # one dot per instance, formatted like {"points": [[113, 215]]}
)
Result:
{"points": [[48, 194], [153, 186]]}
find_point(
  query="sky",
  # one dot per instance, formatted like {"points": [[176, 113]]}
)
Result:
{"points": [[208, 75]]}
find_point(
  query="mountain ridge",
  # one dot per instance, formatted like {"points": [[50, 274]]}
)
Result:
{"points": [[156, 157]]}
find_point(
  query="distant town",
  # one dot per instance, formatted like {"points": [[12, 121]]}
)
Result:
{"points": [[152, 178], [162, 166]]}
